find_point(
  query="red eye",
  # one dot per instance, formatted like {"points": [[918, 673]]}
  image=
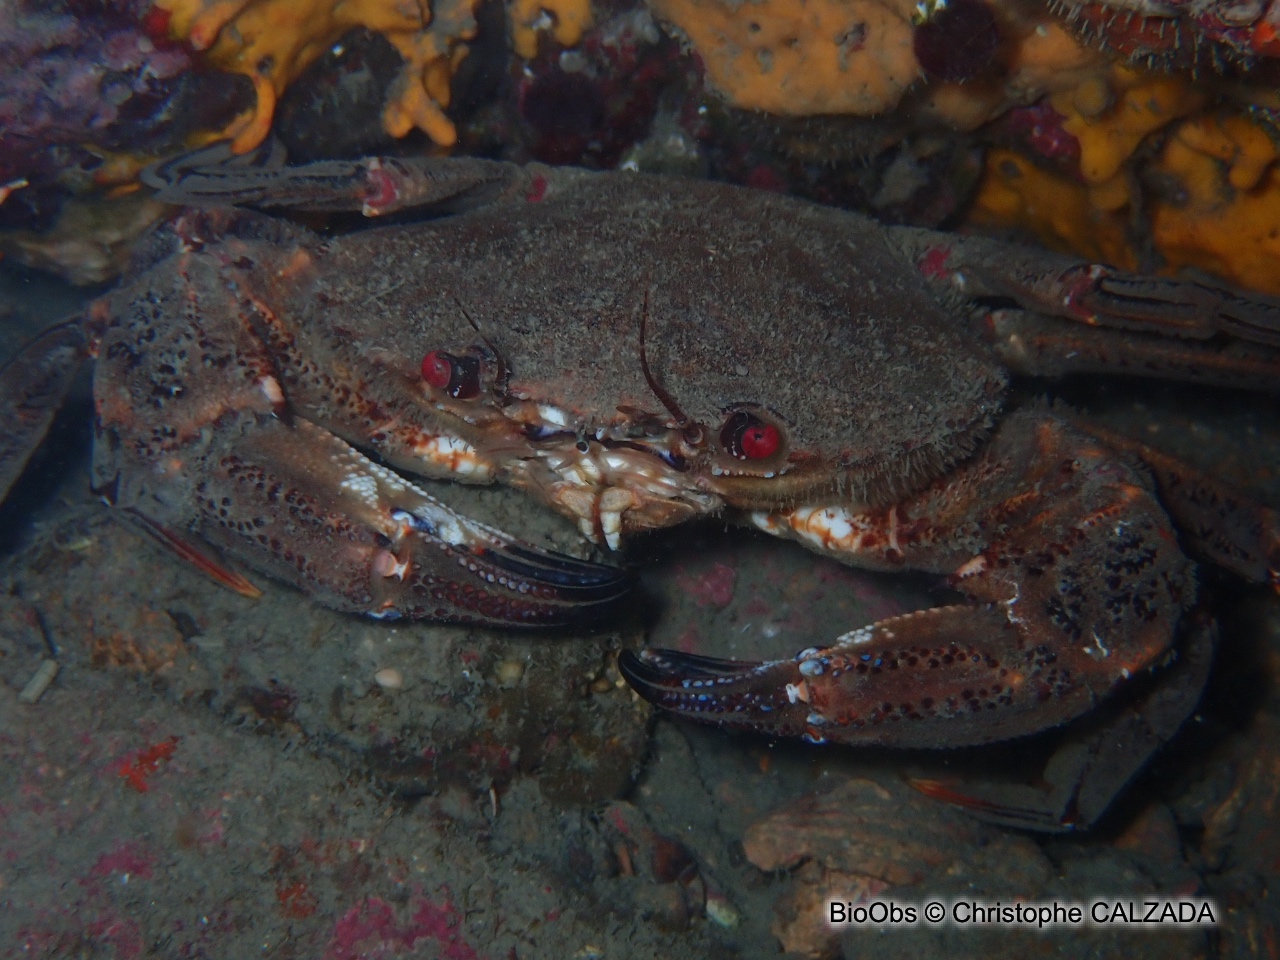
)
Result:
{"points": [[749, 438], [457, 376], [437, 370]]}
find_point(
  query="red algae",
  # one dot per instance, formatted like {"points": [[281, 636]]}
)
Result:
{"points": [[713, 587], [143, 763], [371, 928], [127, 859], [296, 901]]}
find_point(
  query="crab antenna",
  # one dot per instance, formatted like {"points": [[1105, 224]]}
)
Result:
{"points": [[667, 399], [504, 370]]}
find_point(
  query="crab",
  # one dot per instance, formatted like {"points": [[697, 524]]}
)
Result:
{"points": [[638, 351], [1177, 35]]}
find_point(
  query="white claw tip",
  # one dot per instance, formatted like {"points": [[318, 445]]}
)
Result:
{"points": [[271, 390], [797, 693], [385, 564], [811, 668]]}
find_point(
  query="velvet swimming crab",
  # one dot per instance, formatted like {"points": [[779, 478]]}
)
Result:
{"points": [[636, 351]]}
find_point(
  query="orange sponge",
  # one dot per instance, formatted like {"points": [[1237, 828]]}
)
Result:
{"points": [[273, 41], [565, 20], [1227, 215], [1216, 206], [802, 57]]}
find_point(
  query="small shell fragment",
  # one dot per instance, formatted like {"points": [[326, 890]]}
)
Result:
{"points": [[389, 678], [39, 681], [720, 911], [509, 673]]}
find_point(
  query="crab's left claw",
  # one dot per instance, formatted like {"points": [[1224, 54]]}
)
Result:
{"points": [[1097, 758], [739, 694], [805, 696], [899, 682], [474, 573]]}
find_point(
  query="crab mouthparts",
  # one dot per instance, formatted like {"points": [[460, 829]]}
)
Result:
{"points": [[608, 480], [612, 488]]}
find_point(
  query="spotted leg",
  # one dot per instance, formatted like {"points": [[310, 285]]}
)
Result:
{"points": [[1056, 315], [1217, 521], [374, 186], [1098, 757], [1073, 579]]}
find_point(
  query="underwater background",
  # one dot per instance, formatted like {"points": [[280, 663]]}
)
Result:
{"points": [[208, 775]]}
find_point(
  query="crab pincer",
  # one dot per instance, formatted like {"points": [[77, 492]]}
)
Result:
{"points": [[227, 462], [635, 352], [306, 508], [1073, 586], [867, 681]]}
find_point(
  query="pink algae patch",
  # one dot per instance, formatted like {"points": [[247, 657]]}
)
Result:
{"points": [[121, 932], [128, 859], [712, 588], [1040, 127], [619, 821], [934, 264], [372, 930], [766, 178], [690, 641], [141, 764], [538, 189]]}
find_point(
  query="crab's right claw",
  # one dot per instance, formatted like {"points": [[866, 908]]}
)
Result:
{"points": [[298, 503], [32, 388], [446, 567]]}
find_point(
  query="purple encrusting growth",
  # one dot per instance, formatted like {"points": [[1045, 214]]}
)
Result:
{"points": [[81, 79]]}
